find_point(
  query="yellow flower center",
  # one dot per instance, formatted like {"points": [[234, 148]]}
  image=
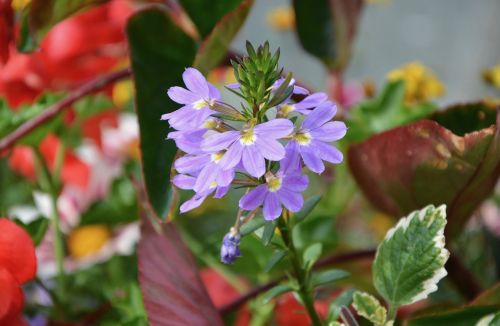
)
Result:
{"points": [[216, 157], [287, 108], [88, 240], [273, 183], [203, 103], [210, 124], [248, 137], [213, 185], [303, 138]]}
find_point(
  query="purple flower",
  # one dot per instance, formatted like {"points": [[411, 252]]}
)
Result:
{"points": [[230, 249], [280, 189], [251, 146], [305, 105], [208, 170], [196, 99], [311, 141], [296, 89], [187, 182]]}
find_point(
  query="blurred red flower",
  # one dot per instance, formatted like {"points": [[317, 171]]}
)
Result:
{"points": [[289, 312], [73, 172], [17, 266], [73, 52]]}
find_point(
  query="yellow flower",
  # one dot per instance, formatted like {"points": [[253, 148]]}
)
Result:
{"points": [[492, 76], [122, 93], [420, 82], [19, 4], [87, 240], [281, 18]]}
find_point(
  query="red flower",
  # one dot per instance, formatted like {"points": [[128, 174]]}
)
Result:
{"points": [[74, 171], [289, 312], [17, 266]]}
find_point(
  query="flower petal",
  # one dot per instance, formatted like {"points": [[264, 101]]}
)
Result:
{"points": [[320, 115], [206, 177], [182, 95], [270, 149], [311, 159], [328, 152], [330, 131], [183, 181], [254, 198], [276, 128], [221, 192], [291, 162], [192, 203], [232, 157], [213, 92], [191, 163], [292, 200], [311, 101], [295, 182], [272, 207], [196, 82], [219, 141], [253, 161], [225, 177]]}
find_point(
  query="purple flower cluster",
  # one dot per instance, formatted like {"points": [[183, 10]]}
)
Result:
{"points": [[266, 154]]}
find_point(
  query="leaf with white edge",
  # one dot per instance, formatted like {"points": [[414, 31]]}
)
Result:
{"points": [[311, 254], [336, 323], [329, 276], [343, 299], [489, 320], [276, 291], [369, 307], [410, 261]]}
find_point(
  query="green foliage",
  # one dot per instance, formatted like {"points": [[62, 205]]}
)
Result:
{"points": [[311, 255], [410, 261], [159, 52], [384, 112], [343, 300], [309, 205], [456, 317], [36, 229], [327, 29], [276, 291], [275, 259], [369, 307], [214, 47], [326, 277]]}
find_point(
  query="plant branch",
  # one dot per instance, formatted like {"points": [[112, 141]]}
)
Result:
{"points": [[326, 261], [52, 111]]}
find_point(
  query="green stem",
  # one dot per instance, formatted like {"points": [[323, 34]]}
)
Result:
{"points": [[391, 314], [300, 273], [49, 184]]}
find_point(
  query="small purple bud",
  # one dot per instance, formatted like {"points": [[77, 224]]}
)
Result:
{"points": [[230, 249]]}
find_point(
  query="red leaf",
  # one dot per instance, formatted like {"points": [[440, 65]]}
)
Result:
{"points": [[172, 290]]}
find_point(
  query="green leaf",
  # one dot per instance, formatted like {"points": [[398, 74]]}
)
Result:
{"points": [[490, 320], [276, 291], [409, 167], [309, 205], [275, 259], [256, 223], [327, 29], [36, 229], [384, 112], [343, 300], [159, 53], [410, 260], [312, 254], [214, 47], [325, 277], [268, 234], [369, 307], [39, 17], [206, 14], [456, 317]]}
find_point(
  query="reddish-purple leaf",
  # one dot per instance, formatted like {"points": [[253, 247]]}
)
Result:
{"points": [[424, 163], [172, 289]]}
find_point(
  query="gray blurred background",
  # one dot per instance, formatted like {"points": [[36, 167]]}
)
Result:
{"points": [[457, 39]]}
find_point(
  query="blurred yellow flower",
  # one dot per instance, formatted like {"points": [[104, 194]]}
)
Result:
{"points": [[122, 93], [223, 75], [380, 223], [492, 76], [420, 82], [281, 18], [19, 4], [87, 240]]}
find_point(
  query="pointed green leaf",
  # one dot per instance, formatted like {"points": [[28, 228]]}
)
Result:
{"points": [[325, 277], [343, 300], [268, 233], [309, 205], [312, 254], [275, 259], [410, 260], [276, 291], [159, 52], [255, 223], [369, 307], [214, 47]]}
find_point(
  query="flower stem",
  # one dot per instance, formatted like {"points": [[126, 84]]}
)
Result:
{"points": [[300, 273], [49, 184], [391, 314]]}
